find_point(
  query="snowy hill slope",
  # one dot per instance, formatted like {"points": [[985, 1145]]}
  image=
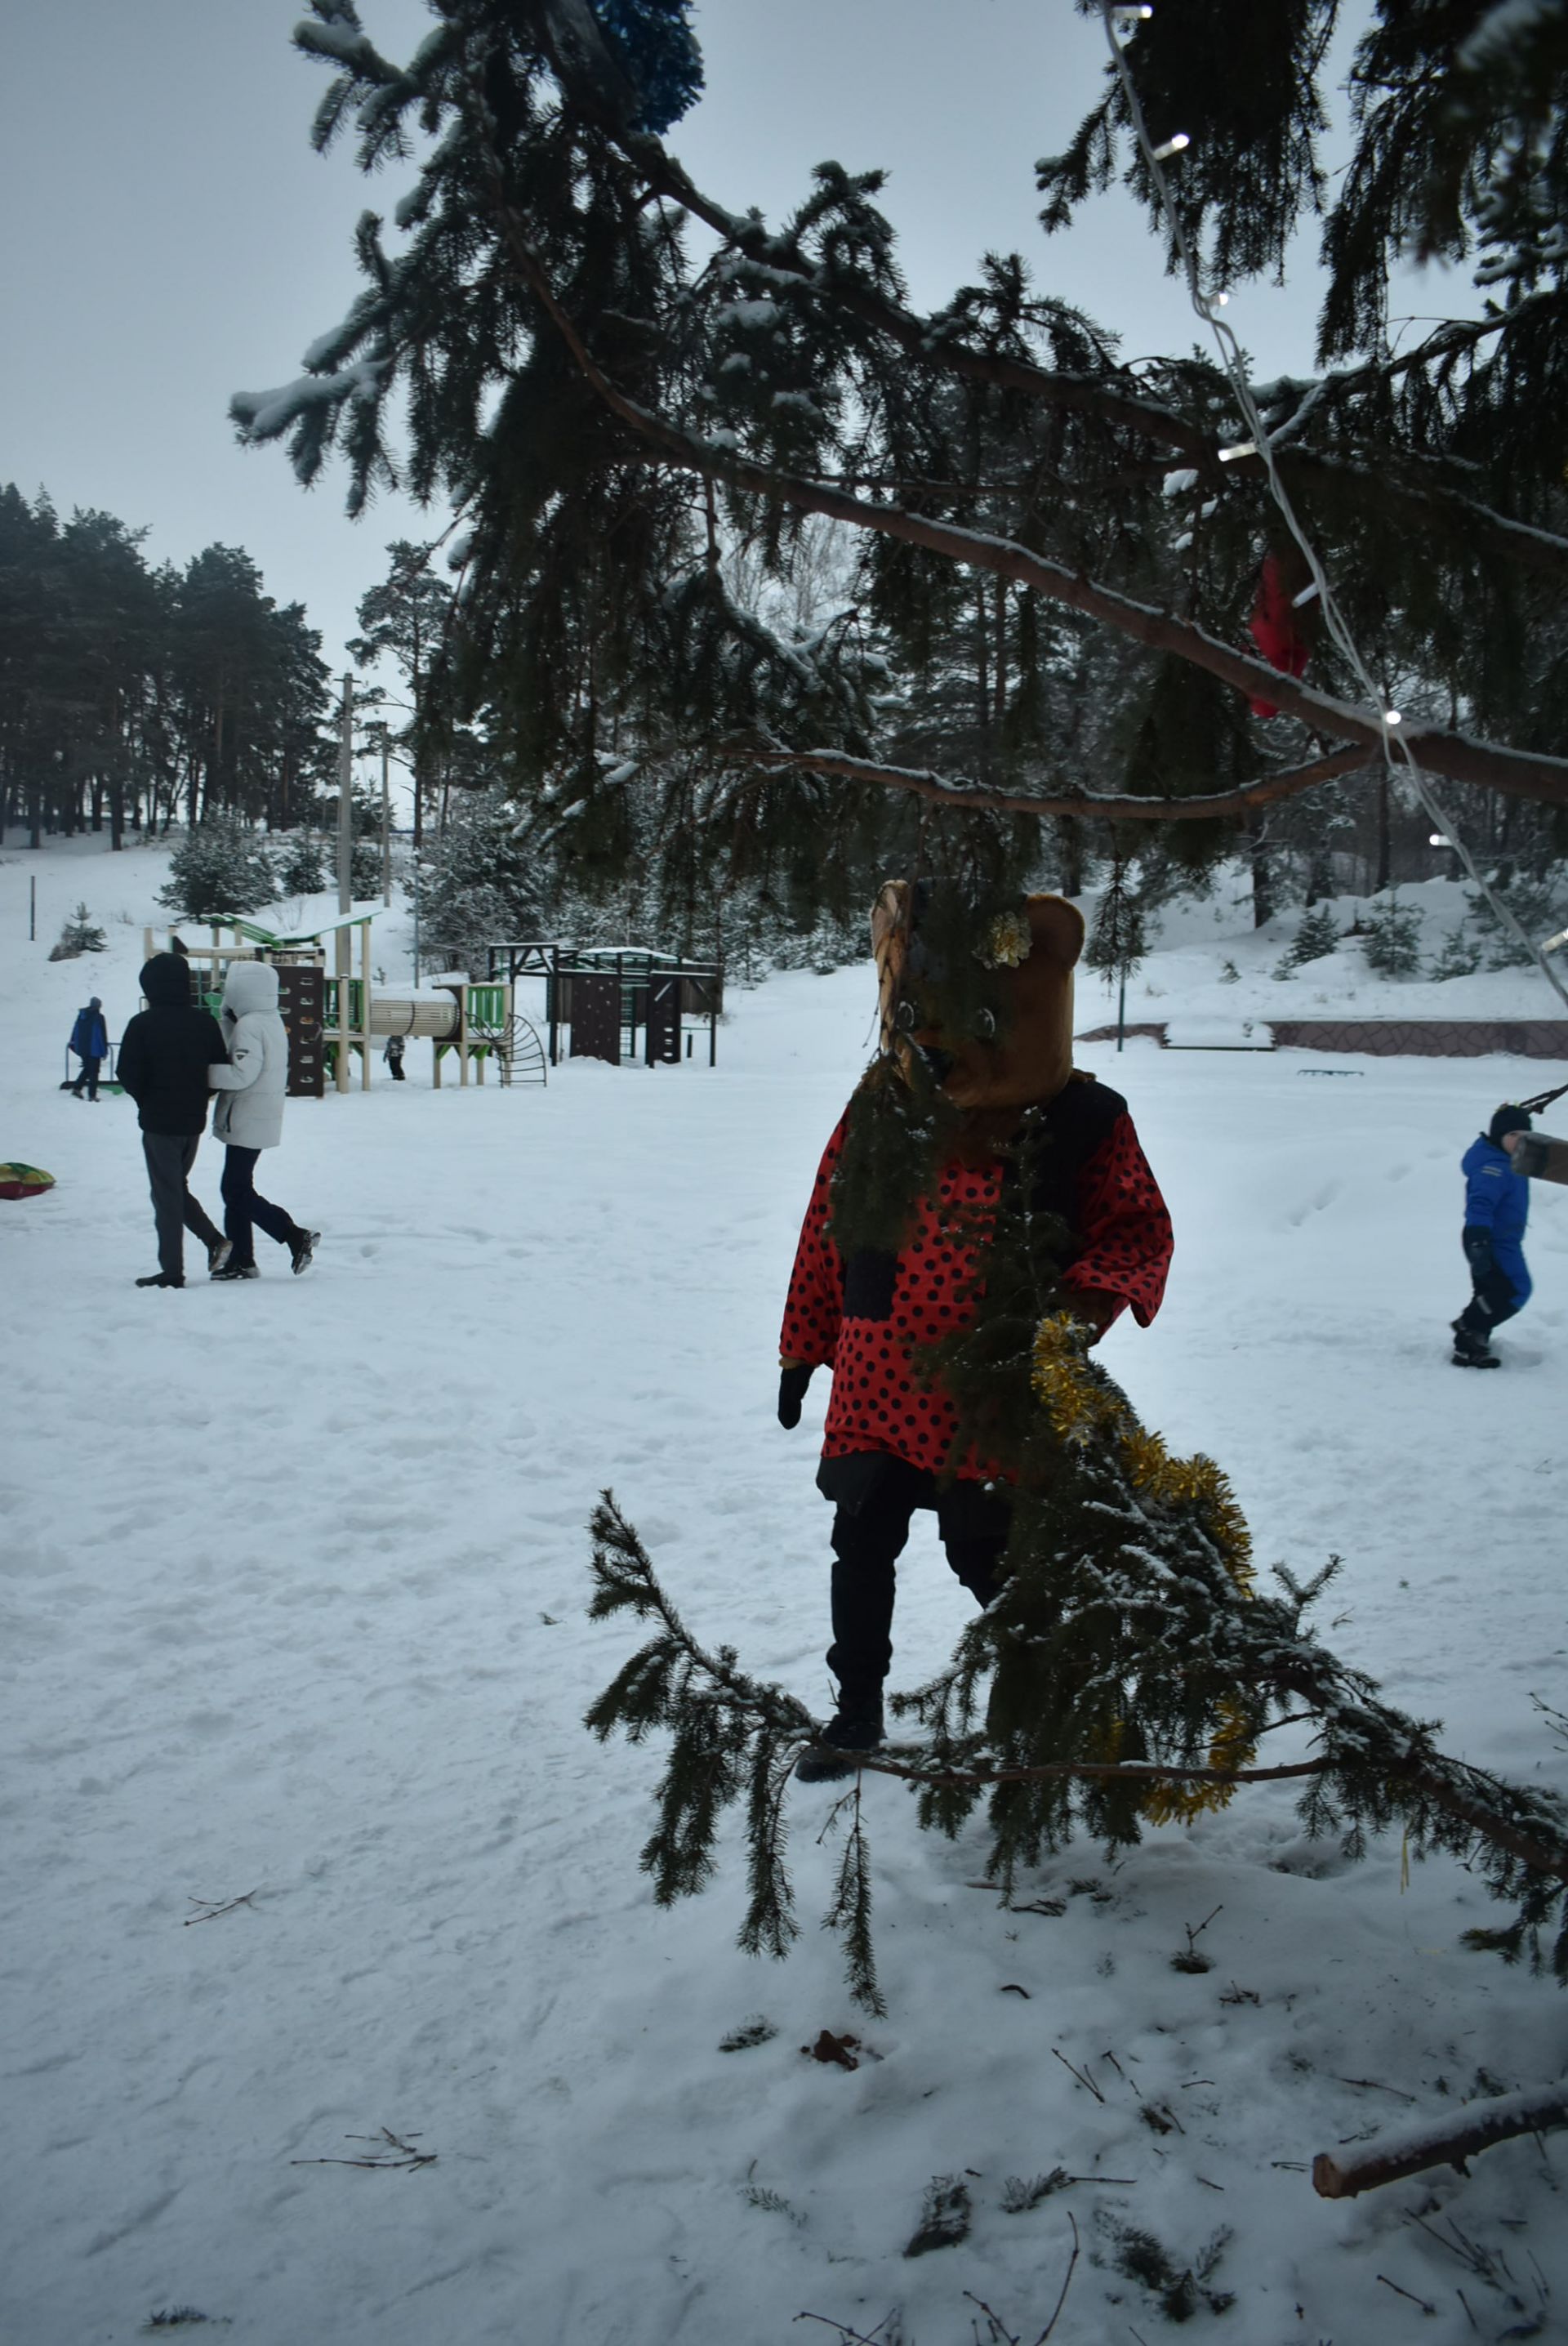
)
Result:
{"points": [[293, 1580]]}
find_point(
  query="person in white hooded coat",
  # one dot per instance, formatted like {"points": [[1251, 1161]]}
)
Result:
{"points": [[249, 1117]]}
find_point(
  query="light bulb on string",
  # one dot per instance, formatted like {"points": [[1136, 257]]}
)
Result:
{"points": [[1172, 147], [1242, 448], [1392, 717]]}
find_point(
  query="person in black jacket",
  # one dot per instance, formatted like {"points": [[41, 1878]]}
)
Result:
{"points": [[163, 1062]]}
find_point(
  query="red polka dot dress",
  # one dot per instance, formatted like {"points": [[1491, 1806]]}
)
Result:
{"points": [[868, 1335]]}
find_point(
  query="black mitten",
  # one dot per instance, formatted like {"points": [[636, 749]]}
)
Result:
{"points": [[792, 1384]]}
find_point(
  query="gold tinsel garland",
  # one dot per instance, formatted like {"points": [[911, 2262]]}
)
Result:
{"points": [[1081, 1410]]}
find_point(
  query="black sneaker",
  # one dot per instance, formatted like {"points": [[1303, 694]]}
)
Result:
{"points": [[1472, 1351], [237, 1270], [160, 1279], [302, 1246], [218, 1254], [855, 1728]]}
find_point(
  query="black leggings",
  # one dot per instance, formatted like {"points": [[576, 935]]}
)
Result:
{"points": [[868, 1541], [243, 1208]]}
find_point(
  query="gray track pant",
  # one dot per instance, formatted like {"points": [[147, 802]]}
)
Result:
{"points": [[169, 1158]]}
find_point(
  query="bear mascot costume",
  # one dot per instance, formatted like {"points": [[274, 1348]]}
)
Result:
{"points": [[970, 1122]]}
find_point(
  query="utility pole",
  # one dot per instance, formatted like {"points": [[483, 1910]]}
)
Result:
{"points": [[346, 799], [386, 825], [343, 954]]}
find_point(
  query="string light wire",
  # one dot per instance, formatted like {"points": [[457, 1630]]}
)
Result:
{"points": [[1398, 755]]}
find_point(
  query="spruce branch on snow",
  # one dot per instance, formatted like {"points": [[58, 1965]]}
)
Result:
{"points": [[1121, 1678]]}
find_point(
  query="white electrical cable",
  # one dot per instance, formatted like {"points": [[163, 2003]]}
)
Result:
{"points": [[1396, 753]]}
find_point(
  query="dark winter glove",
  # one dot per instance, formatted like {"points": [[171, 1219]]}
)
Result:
{"points": [[792, 1384]]}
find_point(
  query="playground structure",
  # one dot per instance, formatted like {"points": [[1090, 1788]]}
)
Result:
{"points": [[328, 1018], [605, 997], [619, 1004]]}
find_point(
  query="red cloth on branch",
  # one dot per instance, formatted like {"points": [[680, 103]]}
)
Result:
{"points": [[1274, 629]]}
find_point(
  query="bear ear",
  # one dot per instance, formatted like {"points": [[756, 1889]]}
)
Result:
{"points": [[1057, 928]]}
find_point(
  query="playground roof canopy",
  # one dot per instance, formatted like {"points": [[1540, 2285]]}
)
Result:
{"points": [[260, 936]]}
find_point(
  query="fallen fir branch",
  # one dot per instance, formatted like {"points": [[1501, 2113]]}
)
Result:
{"points": [[1412, 2149], [734, 1738]]}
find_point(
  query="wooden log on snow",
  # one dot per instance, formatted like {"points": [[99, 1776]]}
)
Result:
{"points": [[1438, 2142]]}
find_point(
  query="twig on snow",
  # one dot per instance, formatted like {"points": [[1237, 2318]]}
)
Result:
{"points": [[213, 1907], [406, 2156]]}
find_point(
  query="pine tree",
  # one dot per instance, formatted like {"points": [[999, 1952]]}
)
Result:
{"points": [[301, 870], [126, 693], [218, 870], [1119, 940], [479, 884], [1020, 493], [1316, 937], [1392, 946]]}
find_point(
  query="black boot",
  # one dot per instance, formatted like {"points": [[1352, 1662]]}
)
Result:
{"points": [[855, 1728], [302, 1245], [1472, 1350]]}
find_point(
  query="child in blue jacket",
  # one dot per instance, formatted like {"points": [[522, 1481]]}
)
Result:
{"points": [[1496, 1208], [90, 1041]]}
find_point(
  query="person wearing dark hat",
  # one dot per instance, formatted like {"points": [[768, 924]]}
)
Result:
{"points": [[90, 1041], [1496, 1208], [164, 1057]]}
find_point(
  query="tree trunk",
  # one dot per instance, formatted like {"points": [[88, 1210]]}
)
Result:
{"points": [[1070, 838], [1263, 903], [1385, 838], [983, 678]]}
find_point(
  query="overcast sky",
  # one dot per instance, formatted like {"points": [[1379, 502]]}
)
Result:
{"points": [[171, 236]]}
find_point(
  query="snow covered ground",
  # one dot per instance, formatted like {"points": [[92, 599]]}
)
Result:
{"points": [[292, 1581]]}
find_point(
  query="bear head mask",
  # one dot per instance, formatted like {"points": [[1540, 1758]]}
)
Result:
{"points": [[984, 993]]}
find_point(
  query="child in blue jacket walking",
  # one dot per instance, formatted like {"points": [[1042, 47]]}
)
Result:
{"points": [[1496, 1208]]}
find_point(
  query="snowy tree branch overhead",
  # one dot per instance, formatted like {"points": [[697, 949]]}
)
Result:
{"points": [[571, 376], [941, 790]]}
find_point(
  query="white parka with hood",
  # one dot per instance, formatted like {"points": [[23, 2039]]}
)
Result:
{"points": [[253, 1086]]}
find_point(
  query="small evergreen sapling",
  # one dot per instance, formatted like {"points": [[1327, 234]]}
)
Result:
{"points": [[302, 872], [1120, 939], [1318, 936], [1391, 946], [77, 936], [945, 2219]]}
